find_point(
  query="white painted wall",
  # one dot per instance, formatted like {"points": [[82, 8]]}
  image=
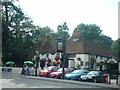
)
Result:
{"points": [[75, 63], [71, 63], [52, 57], [86, 59]]}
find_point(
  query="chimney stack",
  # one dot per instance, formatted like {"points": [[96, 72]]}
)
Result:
{"points": [[76, 35]]}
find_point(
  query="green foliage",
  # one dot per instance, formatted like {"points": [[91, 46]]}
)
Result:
{"points": [[16, 39], [22, 38], [90, 32], [93, 33], [115, 47], [61, 30]]}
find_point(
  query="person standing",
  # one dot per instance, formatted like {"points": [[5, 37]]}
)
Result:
{"points": [[42, 64]]}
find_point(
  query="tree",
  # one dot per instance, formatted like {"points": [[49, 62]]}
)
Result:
{"points": [[93, 33], [90, 32], [60, 31], [106, 40], [115, 47], [16, 39], [38, 36]]}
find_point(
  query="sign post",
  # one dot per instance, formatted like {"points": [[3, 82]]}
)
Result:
{"points": [[61, 48]]}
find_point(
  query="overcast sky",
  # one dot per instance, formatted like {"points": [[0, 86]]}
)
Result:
{"points": [[103, 13]]}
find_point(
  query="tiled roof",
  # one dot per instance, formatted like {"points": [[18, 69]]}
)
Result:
{"points": [[80, 46]]}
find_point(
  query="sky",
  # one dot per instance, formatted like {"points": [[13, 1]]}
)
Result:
{"points": [[103, 13]]}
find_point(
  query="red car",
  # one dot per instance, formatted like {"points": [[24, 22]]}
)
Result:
{"points": [[47, 71], [58, 74]]}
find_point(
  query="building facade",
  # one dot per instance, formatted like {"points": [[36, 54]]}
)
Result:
{"points": [[92, 56]]}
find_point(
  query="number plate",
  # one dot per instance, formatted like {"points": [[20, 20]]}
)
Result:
{"points": [[41, 73]]}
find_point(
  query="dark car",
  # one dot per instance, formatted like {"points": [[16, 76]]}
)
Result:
{"points": [[47, 71], [58, 74], [7, 69], [95, 76]]}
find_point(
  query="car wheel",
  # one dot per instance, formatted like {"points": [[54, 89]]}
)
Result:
{"points": [[95, 80], [79, 79], [61, 77]]}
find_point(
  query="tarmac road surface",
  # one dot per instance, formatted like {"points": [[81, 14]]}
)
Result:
{"points": [[12, 81]]}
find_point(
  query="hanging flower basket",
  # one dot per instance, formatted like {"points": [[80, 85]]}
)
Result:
{"points": [[48, 64], [57, 62], [78, 58], [57, 58], [86, 63]]}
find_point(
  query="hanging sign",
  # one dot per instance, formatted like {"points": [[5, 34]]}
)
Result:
{"points": [[59, 46]]}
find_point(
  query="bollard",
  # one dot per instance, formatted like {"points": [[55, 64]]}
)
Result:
{"points": [[106, 79]]}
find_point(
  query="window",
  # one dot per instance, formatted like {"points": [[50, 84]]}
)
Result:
{"points": [[60, 70], [81, 63], [55, 69], [47, 55], [92, 56], [100, 73], [86, 72], [58, 53], [72, 55], [101, 58]]}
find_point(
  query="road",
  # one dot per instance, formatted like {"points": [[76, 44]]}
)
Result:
{"points": [[10, 80], [14, 81]]}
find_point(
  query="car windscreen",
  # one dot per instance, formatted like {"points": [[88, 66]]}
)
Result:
{"points": [[49, 68], [77, 71], [60, 70], [93, 73]]}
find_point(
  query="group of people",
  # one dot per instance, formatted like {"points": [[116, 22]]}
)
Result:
{"points": [[26, 71]]}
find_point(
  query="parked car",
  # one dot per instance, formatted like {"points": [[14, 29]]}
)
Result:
{"points": [[95, 76], [75, 75], [47, 71], [7, 69], [58, 74]]}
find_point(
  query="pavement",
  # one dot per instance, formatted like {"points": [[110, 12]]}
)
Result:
{"points": [[99, 85]]}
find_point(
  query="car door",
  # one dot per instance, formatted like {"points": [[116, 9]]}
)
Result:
{"points": [[100, 77]]}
